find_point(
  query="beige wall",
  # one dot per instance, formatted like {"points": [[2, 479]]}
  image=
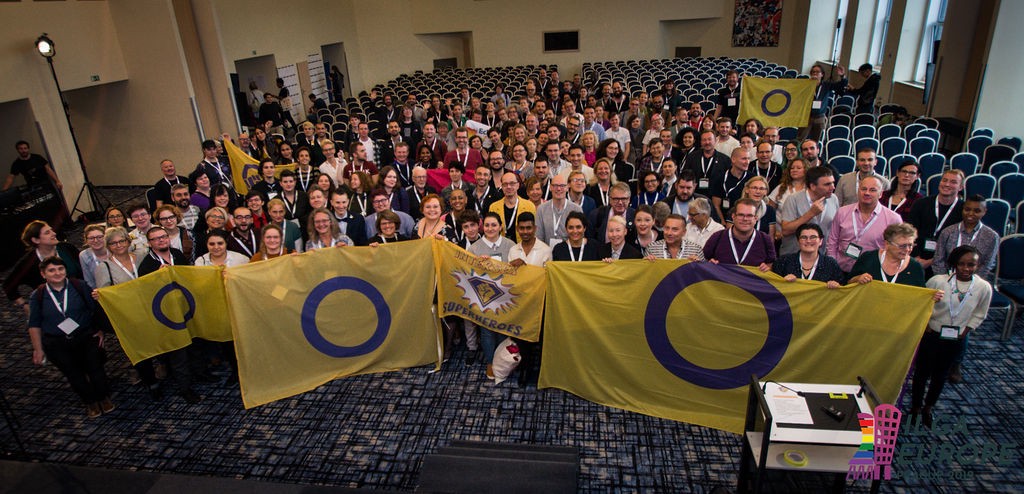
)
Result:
{"points": [[80, 53], [289, 31], [126, 128]]}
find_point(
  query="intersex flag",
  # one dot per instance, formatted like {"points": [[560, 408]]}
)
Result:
{"points": [[493, 294], [778, 102], [301, 321], [164, 310], [245, 170], [680, 340]]}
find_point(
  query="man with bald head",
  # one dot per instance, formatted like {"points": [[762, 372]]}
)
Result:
{"points": [[551, 215], [511, 206], [858, 228], [727, 186]]}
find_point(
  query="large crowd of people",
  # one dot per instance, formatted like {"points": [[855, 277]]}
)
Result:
{"points": [[564, 173]]}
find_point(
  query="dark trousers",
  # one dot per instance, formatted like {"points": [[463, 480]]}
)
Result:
{"points": [[935, 356], [81, 360]]}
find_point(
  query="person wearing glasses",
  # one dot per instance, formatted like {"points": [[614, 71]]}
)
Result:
{"points": [[701, 225], [809, 263], [756, 189], [161, 254], [618, 206], [324, 231], [94, 253], [511, 207], [381, 202], [167, 216], [121, 267], [742, 244], [902, 193], [140, 216], [891, 263], [242, 238]]}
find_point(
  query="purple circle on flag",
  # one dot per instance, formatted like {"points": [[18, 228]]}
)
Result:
{"points": [[780, 325], [316, 338], [158, 313], [769, 94]]}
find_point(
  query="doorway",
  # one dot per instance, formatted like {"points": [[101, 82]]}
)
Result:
{"points": [[334, 56], [260, 71]]}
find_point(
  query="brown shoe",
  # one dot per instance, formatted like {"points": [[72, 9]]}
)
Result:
{"points": [[955, 376], [106, 405], [490, 372], [92, 410]]}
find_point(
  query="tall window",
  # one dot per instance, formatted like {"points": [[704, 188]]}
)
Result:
{"points": [[837, 37], [876, 52], [930, 35]]}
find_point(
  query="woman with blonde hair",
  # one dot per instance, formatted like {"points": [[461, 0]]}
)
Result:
{"points": [[589, 143], [602, 181]]}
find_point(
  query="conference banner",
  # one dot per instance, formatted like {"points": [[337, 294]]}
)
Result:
{"points": [[245, 170], [778, 102], [301, 321], [493, 294], [164, 310], [680, 340]]}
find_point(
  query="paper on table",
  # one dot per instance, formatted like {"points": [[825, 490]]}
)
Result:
{"points": [[790, 409]]}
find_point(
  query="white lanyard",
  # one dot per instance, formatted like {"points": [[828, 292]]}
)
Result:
{"points": [[572, 255], [767, 174], [604, 195], [456, 231], [289, 205], [406, 177], [241, 242], [647, 199], [557, 218], [953, 314], [657, 169], [705, 166], [949, 211], [176, 181], [881, 269], [433, 143], [362, 204], [897, 205], [736, 256], [547, 191], [678, 209], [219, 172], [810, 202], [304, 183], [856, 216], [726, 178], [458, 157], [415, 192], [383, 240], [134, 273], [284, 232], [486, 193], [810, 276], [512, 221], [61, 308], [959, 239], [161, 259]]}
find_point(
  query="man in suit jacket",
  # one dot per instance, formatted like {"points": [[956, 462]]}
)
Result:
{"points": [[619, 206]]}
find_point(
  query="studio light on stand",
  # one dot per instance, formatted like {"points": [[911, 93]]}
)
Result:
{"points": [[45, 47]]}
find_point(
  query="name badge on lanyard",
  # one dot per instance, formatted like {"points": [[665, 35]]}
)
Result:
{"points": [[68, 325]]}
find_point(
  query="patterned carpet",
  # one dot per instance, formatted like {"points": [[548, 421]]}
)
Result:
{"points": [[375, 430]]}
